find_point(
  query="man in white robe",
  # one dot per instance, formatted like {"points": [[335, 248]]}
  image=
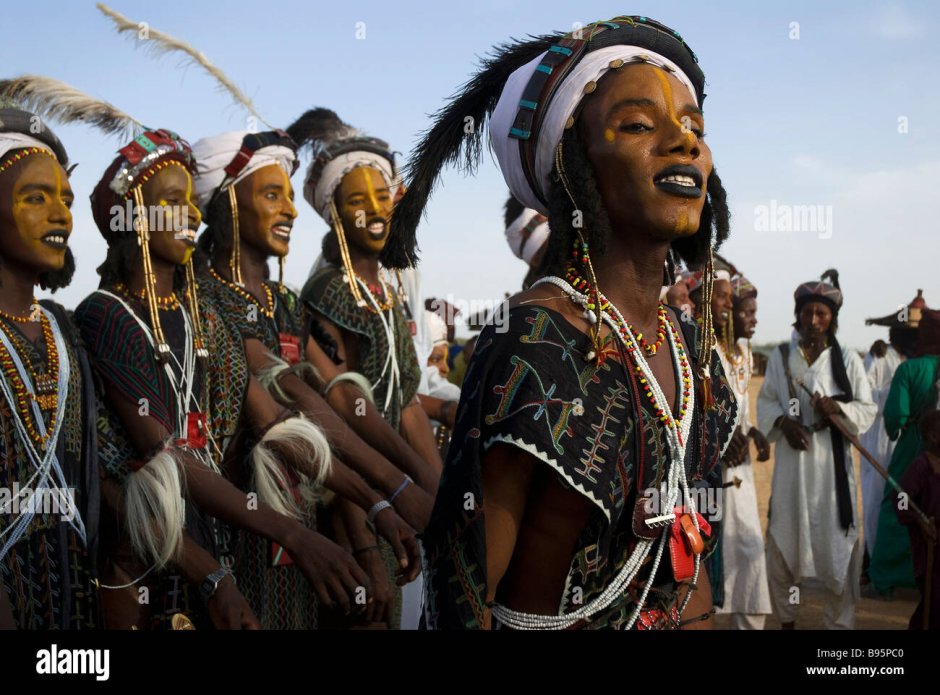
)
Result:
{"points": [[813, 531], [746, 595]]}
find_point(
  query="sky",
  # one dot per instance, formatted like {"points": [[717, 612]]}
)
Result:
{"points": [[822, 119]]}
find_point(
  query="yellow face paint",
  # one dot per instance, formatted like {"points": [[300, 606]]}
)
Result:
{"points": [[364, 195], [609, 135], [682, 224], [41, 176], [670, 107]]}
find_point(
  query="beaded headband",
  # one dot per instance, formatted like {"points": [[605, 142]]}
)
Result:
{"points": [[562, 58], [23, 154], [155, 169], [251, 144], [360, 143], [145, 153]]}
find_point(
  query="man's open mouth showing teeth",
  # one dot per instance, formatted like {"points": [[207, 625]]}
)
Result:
{"points": [[56, 239], [376, 228], [187, 235], [681, 180], [281, 231]]}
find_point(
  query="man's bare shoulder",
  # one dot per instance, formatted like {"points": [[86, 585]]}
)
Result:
{"points": [[549, 296]]}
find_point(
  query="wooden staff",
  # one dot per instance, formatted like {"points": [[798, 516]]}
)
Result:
{"points": [[923, 518]]}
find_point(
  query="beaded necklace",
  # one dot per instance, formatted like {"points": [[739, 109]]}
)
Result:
{"points": [[17, 318], [169, 303], [245, 294], [45, 383], [384, 298], [579, 283], [677, 430], [48, 473]]}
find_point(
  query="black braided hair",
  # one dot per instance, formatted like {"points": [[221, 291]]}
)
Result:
{"points": [[57, 279], [218, 231]]}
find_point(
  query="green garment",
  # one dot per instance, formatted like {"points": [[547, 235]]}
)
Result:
{"points": [[912, 393]]}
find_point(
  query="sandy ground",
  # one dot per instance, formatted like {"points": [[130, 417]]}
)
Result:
{"points": [[870, 614]]}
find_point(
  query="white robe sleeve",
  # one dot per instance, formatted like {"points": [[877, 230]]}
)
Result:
{"points": [[860, 413], [772, 397]]}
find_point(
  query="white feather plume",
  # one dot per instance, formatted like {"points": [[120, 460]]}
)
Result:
{"points": [[55, 100], [160, 42]]}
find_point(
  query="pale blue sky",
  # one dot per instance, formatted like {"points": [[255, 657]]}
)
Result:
{"points": [[807, 121]]}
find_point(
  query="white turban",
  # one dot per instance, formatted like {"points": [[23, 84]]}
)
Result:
{"points": [[527, 234], [320, 193], [214, 154], [438, 328], [564, 102], [19, 141]]}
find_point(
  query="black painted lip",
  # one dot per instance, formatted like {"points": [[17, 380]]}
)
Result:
{"points": [[377, 220], [676, 189], [682, 191]]}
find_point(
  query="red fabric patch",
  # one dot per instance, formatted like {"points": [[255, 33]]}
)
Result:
{"points": [[290, 348], [195, 431]]}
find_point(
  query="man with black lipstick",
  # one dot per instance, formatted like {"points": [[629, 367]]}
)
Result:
{"points": [[586, 417]]}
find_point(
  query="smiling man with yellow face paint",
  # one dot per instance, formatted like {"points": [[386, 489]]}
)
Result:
{"points": [[145, 341], [364, 203], [352, 183], [576, 440], [47, 552], [269, 397]]}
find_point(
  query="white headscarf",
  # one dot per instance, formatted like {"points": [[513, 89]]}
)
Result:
{"points": [[319, 195], [564, 102], [526, 246], [215, 153], [19, 141]]}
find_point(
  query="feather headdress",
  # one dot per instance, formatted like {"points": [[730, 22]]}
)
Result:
{"points": [[160, 42], [337, 149], [454, 138], [318, 129], [61, 102], [531, 89]]}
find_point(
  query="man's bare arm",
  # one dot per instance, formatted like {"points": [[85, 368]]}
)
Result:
{"points": [[346, 399], [507, 476]]}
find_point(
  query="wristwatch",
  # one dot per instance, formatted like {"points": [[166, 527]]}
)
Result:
{"points": [[211, 583]]}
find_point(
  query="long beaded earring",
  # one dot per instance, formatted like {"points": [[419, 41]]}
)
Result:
{"points": [[595, 311], [199, 342], [280, 276], [235, 261], [344, 254], [729, 338], [150, 294], [708, 334]]}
